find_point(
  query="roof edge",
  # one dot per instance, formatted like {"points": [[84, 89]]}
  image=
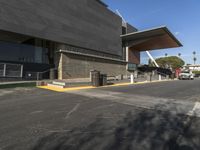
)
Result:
{"points": [[156, 28]]}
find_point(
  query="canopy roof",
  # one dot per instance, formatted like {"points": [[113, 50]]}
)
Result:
{"points": [[152, 39]]}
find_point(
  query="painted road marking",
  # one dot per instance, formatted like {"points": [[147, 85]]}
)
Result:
{"points": [[195, 111], [36, 112], [73, 110]]}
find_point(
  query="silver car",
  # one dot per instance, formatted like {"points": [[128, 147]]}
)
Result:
{"points": [[186, 75]]}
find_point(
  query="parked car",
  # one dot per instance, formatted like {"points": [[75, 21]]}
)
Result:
{"points": [[186, 75]]}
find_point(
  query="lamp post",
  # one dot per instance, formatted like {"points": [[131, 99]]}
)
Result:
{"points": [[194, 57]]}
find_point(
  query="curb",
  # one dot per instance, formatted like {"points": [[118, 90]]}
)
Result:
{"points": [[91, 87]]}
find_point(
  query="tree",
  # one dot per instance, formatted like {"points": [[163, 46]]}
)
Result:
{"points": [[173, 61]]}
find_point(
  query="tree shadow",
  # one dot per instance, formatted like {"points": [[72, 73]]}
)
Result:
{"points": [[145, 130]]}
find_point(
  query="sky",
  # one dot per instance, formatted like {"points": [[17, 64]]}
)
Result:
{"points": [[182, 17]]}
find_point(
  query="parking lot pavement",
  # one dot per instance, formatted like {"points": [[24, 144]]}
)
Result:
{"points": [[112, 118], [183, 90]]}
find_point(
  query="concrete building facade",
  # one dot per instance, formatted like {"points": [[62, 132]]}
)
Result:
{"points": [[74, 37]]}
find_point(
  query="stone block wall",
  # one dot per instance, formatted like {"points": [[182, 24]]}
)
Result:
{"points": [[77, 66]]}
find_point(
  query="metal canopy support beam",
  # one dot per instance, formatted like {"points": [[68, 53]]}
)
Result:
{"points": [[151, 57], [154, 61]]}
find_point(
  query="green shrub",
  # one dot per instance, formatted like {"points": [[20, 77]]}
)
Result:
{"points": [[196, 72]]}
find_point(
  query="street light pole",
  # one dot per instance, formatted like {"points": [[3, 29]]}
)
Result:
{"points": [[194, 57]]}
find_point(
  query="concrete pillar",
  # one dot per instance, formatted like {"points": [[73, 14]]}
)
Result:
{"points": [[60, 67], [52, 74], [127, 53], [160, 77]]}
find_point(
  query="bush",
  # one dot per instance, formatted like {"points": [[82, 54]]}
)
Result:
{"points": [[196, 72]]}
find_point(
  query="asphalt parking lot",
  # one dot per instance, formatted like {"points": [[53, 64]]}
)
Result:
{"points": [[141, 117]]}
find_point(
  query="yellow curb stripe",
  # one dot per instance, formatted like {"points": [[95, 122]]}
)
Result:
{"points": [[91, 87], [65, 89]]}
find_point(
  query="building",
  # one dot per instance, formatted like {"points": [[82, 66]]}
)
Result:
{"points": [[192, 67], [73, 36]]}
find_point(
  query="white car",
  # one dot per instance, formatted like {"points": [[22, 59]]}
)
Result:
{"points": [[186, 75]]}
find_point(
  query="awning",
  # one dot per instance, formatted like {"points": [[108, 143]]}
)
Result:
{"points": [[152, 39]]}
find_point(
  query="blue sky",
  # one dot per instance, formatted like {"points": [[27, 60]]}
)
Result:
{"points": [[182, 17]]}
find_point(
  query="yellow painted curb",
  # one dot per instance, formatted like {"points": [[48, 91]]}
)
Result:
{"points": [[91, 87], [65, 89]]}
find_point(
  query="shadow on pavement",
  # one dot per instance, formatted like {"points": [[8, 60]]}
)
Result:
{"points": [[146, 130]]}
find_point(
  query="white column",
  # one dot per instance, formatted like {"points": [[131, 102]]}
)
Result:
{"points": [[4, 70], [127, 48]]}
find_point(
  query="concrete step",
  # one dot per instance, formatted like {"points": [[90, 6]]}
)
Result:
{"points": [[55, 85], [59, 83], [62, 84]]}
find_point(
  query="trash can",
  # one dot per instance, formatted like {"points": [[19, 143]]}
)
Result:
{"points": [[103, 79], [95, 75]]}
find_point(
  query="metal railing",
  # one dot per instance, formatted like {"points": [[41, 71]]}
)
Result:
{"points": [[40, 74], [11, 70]]}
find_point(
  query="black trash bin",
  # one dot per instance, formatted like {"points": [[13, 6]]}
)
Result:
{"points": [[95, 75], [103, 79]]}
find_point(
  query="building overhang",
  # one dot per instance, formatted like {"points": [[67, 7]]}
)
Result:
{"points": [[91, 56], [152, 39]]}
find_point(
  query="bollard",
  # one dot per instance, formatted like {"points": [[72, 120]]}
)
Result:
{"points": [[132, 78]]}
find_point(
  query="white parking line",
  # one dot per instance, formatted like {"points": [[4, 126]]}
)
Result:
{"points": [[194, 111], [73, 110]]}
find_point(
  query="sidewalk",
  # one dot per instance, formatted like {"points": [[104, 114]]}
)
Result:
{"points": [[73, 84], [16, 82], [112, 84]]}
